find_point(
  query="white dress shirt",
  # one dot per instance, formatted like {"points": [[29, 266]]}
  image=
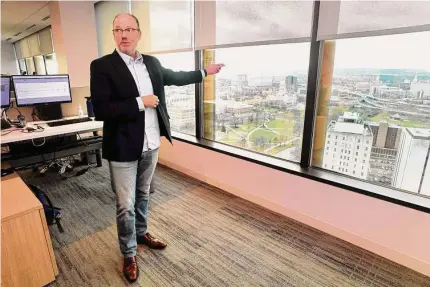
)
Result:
{"points": [[144, 85]]}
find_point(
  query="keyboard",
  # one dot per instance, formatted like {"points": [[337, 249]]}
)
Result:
{"points": [[68, 122]]}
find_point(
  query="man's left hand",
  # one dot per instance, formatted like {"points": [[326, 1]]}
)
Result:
{"points": [[213, 68]]}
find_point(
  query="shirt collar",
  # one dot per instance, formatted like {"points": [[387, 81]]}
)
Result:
{"points": [[129, 60]]}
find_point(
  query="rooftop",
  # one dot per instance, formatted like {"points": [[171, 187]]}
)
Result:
{"points": [[350, 128], [351, 115], [419, 133], [390, 125]]}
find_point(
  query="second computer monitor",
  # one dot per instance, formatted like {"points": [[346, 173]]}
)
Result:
{"points": [[39, 90], [5, 91]]}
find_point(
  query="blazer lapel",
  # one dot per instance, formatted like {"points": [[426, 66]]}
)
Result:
{"points": [[156, 84], [152, 70], [119, 64]]}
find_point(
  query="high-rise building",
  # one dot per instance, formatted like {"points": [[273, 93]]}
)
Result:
{"points": [[348, 146], [412, 170], [291, 83], [387, 79], [386, 138], [385, 135], [420, 90], [285, 97], [387, 92]]}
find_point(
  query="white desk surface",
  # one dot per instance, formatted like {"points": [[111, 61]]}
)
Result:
{"points": [[19, 135]]}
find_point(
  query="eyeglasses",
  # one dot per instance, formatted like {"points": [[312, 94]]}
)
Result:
{"points": [[121, 31]]}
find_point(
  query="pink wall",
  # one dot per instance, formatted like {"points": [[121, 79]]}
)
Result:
{"points": [[58, 36], [75, 38], [398, 233]]}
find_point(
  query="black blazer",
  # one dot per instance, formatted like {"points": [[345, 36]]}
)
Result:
{"points": [[114, 93]]}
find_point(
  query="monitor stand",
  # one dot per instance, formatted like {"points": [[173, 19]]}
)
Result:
{"points": [[49, 112]]}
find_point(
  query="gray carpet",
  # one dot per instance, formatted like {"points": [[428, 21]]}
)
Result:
{"points": [[215, 239]]}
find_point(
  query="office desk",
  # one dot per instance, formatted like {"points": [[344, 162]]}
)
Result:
{"points": [[27, 255], [80, 128], [50, 132]]}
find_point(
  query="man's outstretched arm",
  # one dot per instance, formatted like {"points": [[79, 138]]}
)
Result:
{"points": [[182, 78]]}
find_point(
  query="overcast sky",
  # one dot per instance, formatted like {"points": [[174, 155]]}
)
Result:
{"points": [[248, 21], [405, 51]]}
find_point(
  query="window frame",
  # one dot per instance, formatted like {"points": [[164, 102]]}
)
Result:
{"points": [[303, 168]]}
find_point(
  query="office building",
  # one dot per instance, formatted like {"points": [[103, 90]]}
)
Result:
{"points": [[291, 83], [181, 108], [386, 138], [237, 108], [182, 116], [386, 79], [412, 170], [286, 95], [301, 94], [388, 92], [420, 90], [348, 146], [385, 135], [362, 86]]}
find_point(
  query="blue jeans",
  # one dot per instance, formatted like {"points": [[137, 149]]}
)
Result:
{"points": [[131, 182]]}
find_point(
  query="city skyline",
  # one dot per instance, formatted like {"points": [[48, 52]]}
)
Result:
{"points": [[373, 77], [269, 119]]}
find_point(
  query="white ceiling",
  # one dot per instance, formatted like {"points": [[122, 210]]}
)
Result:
{"points": [[17, 16]]}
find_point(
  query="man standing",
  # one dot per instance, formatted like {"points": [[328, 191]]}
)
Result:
{"points": [[127, 91]]}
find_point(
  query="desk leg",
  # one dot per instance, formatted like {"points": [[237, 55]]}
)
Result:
{"points": [[98, 153], [99, 158]]}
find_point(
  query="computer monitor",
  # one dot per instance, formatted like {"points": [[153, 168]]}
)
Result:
{"points": [[41, 90], [5, 91]]}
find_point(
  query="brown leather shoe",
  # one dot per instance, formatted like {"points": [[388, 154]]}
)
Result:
{"points": [[151, 241], [131, 270]]}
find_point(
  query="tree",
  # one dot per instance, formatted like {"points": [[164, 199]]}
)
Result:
{"points": [[261, 141], [251, 119], [235, 121], [282, 139], [296, 115], [297, 121], [243, 141], [257, 118]]}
